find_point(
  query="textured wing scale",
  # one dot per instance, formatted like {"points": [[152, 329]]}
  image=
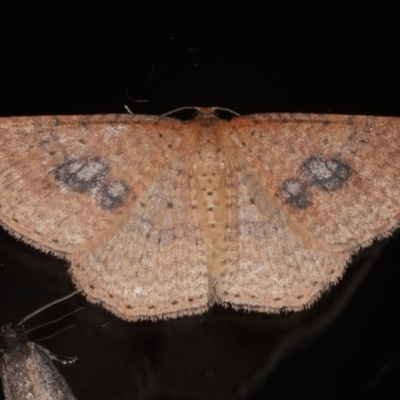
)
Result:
{"points": [[38, 156], [282, 254], [365, 206], [268, 262], [161, 269], [116, 195]]}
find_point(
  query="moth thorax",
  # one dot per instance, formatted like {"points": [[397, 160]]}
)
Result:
{"points": [[208, 152]]}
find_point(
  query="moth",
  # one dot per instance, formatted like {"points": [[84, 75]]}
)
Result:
{"points": [[168, 217], [27, 370]]}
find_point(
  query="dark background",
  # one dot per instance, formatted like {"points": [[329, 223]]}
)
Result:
{"points": [[89, 58]]}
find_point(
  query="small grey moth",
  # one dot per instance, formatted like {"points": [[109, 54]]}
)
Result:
{"points": [[26, 368]]}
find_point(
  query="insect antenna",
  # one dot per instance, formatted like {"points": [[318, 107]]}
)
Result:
{"points": [[46, 306]]}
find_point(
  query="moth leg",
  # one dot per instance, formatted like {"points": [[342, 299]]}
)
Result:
{"points": [[66, 360]]}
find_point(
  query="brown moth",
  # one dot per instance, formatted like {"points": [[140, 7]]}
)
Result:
{"points": [[168, 217], [27, 369]]}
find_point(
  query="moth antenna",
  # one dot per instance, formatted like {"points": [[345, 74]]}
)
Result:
{"points": [[179, 109], [55, 333], [227, 110], [39, 310], [128, 109], [53, 303], [201, 111], [54, 320]]}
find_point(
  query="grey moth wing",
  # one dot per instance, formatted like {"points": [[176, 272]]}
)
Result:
{"points": [[27, 371]]}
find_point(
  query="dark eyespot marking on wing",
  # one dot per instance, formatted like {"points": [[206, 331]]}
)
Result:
{"points": [[112, 195], [327, 174], [296, 194], [81, 176]]}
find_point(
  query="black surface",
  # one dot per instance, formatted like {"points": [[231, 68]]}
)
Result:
{"points": [[95, 58]]}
